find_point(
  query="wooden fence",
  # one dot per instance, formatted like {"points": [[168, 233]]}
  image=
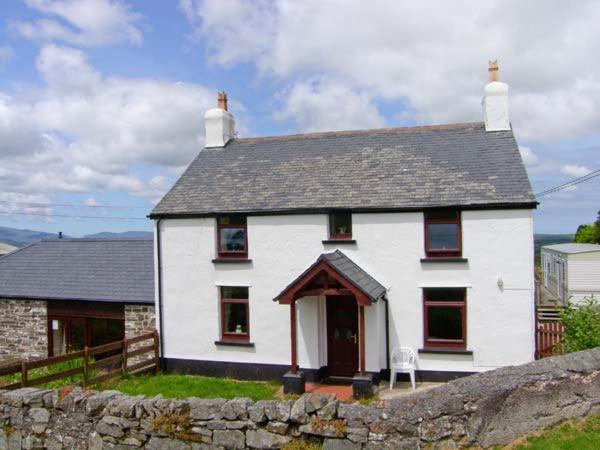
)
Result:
{"points": [[93, 364], [548, 340]]}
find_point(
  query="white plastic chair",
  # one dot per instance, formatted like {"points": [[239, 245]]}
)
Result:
{"points": [[403, 361]]}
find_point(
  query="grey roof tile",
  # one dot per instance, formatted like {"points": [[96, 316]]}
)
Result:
{"points": [[81, 269], [448, 165]]}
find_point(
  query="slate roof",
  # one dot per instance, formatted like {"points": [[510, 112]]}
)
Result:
{"points": [[394, 168], [573, 248], [350, 271], [81, 269]]}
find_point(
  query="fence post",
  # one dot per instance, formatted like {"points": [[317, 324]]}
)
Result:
{"points": [[156, 355], [23, 373], [124, 358], [86, 360]]}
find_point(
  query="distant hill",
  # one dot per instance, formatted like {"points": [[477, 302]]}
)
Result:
{"points": [[20, 238], [123, 235], [547, 239]]}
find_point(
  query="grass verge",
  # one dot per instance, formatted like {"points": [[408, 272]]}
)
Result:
{"points": [[183, 386]]}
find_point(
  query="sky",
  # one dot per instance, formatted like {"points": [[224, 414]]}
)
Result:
{"points": [[102, 101]]}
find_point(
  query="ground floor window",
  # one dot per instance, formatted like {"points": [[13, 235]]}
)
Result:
{"points": [[234, 314], [445, 318]]}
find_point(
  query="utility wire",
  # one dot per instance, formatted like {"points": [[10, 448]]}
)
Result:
{"points": [[576, 181], [71, 216], [72, 205]]}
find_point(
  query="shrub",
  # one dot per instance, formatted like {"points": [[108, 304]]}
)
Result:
{"points": [[582, 324]]}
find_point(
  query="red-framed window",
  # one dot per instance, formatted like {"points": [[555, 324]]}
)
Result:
{"points": [[235, 314], [340, 225], [445, 318], [232, 236], [443, 234]]}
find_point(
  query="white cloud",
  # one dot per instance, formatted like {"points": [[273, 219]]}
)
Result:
{"points": [[6, 54], [82, 22], [574, 170], [83, 132], [432, 55], [528, 155], [317, 106]]}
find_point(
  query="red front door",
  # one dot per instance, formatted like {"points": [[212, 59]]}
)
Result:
{"points": [[342, 336]]}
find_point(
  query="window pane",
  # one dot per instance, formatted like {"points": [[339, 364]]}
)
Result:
{"points": [[234, 292], [233, 239], [443, 236], [341, 223], [445, 294], [444, 323], [236, 321]]}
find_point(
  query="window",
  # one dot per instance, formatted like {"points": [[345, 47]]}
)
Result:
{"points": [[232, 236], [340, 225], [443, 233], [234, 314], [445, 318]]}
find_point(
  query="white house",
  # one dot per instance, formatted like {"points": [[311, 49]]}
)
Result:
{"points": [[571, 271], [314, 255]]}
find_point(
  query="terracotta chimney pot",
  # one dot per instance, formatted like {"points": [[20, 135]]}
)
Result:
{"points": [[493, 70], [222, 101]]}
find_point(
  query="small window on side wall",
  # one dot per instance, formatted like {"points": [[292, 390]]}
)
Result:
{"points": [[235, 323], [340, 225], [445, 318], [232, 236], [443, 236]]}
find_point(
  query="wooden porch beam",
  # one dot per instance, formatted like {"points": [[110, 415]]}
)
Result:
{"points": [[294, 356], [322, 291], [361, 339]]}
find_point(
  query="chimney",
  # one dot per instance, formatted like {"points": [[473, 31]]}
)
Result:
{"points": [[220, 126], [495, 102]]}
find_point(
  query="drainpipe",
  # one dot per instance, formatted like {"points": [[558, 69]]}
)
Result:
{"points": [[387, 332], [159, 289]]}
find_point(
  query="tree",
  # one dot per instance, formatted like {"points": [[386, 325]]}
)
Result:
{"points": [[587, 234]]}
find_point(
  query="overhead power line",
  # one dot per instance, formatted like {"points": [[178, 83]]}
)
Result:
{"points": [[73, 205], [70, 216], [574, 182]]}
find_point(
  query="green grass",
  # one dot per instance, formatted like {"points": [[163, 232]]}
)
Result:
{"points": [[183, 386], [49, 370], [582, 435]]}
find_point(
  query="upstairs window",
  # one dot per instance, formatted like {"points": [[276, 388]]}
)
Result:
{"points": [[340, 225], [234, 314], [232, 236], [445, 318], [443, 233]]}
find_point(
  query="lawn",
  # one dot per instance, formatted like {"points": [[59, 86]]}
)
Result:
{"points": [[580, 435], [183, 386]]}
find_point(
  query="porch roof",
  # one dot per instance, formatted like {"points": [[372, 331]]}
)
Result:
{"points": [[346, 269]]}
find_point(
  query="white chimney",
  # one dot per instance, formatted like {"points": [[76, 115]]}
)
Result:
{"points": [[495, 102], [220, 126]]}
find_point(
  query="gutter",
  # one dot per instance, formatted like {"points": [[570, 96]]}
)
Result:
{"points": [[159, 289]]}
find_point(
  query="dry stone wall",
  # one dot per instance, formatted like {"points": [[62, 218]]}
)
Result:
{"points": [[486, 409], [23, 329]]}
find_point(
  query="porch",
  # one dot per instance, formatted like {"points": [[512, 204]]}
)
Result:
{"points": [[346, 291]]}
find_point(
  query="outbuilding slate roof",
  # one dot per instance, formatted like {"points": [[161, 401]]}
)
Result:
{"points": [[81, 269], [394, 168], [348, 269], [573, 248]]}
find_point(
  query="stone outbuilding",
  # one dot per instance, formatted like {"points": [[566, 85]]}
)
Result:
{"points": [[59, 295]]}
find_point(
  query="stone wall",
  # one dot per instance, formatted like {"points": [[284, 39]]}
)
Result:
{"points": [[139, 319], [23, 329], [486, 409]]}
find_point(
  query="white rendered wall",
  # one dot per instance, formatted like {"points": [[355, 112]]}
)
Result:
{"points": [[498, 244]]}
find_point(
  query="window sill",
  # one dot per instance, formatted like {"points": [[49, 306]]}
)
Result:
{"points": [[449, 351], [444, 259], [231, 260], [235, 343], [339, 241]]}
